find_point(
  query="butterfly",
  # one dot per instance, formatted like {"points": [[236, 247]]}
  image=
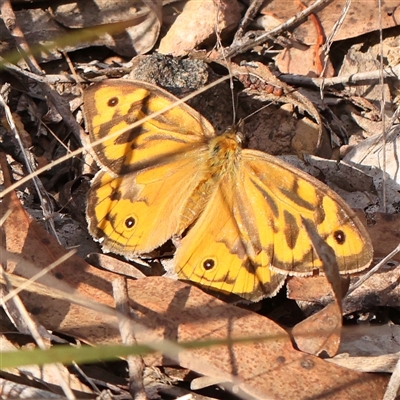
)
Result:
{"points": [[235, 213]]}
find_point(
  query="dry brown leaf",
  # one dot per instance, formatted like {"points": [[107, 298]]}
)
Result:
{"points": [[305, 56], [273, 368], [198, 23], [112, 264], [302, 61], [311, 288], [320, 333], [28, 248]]}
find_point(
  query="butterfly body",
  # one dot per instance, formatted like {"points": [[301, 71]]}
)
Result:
{"points": [[236, 212]]}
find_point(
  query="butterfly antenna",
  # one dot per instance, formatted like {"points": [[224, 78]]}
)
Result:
{"points": [[257, 111], [265, 106], [227, 63]]}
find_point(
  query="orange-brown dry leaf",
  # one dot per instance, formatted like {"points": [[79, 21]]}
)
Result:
{"points": [[263, 369], [115, 265], [320, 333], [199, 22], [304, 60], [310, 288], [309, 61], [176, 311]]}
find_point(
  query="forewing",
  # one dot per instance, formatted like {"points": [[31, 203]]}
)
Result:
{"points": [[111, 107]]}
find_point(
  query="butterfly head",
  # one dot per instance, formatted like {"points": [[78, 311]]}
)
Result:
{"points": [[237, 131]]}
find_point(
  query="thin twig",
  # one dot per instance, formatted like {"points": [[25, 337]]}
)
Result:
{"points": [[373, 76], [251, 12], [329, 40]]}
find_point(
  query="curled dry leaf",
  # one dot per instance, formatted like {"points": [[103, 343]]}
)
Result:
{"points": [[320, 333]]}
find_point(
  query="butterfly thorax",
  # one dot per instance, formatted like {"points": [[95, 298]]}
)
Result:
{"points": [[222, 158], [224, 152]]}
